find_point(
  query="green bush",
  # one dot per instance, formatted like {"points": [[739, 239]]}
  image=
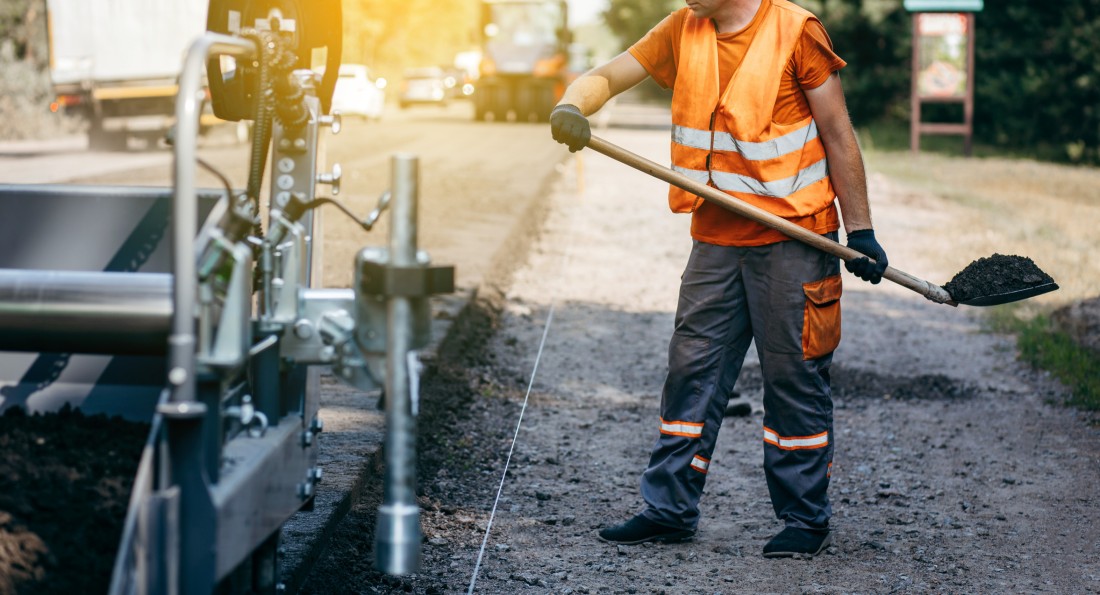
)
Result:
{"points": [[629, 20], [1038, 84], [1037, 79], [1037, 73], [876, 46]]}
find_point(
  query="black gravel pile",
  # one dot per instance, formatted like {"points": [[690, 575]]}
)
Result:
{"points": [[996, 275], [849, 384], [65, 483]]}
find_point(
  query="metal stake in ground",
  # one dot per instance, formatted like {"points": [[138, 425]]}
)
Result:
{"points": [[982, 296], [397, 537]]}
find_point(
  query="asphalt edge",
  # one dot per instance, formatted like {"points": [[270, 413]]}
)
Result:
{"points": [[460, 322]]}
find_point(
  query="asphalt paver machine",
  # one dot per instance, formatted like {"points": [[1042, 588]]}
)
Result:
{"points": [[196, 309]]}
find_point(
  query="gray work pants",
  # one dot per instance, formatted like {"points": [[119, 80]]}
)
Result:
{"points": [[785, 297]]}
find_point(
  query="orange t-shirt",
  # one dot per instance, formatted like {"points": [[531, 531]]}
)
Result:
{"points": [[811, 64]]}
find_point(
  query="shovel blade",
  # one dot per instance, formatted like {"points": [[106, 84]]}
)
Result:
{"points": [[1010, 296]]}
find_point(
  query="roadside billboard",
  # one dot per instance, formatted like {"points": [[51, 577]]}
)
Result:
{"points": [[942, 65], [942, 69]]}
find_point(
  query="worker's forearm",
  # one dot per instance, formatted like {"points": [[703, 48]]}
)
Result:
{"points": [[594, 88], [589, 93], [849, 180]]}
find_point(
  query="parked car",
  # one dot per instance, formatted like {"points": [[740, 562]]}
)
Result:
{"points": [[357, 93], [424, 86], [458, 83]]}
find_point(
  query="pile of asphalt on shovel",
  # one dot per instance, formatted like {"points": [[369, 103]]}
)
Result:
{"points": [[996, 275]]}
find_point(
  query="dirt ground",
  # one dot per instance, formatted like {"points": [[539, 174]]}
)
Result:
{"points": [[956, 468], [64, 486]]}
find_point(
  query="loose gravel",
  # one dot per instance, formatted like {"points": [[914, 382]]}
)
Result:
{"points": [[956, 469]]}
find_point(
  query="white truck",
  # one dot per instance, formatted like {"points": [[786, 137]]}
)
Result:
{"points": [[115, 62]]}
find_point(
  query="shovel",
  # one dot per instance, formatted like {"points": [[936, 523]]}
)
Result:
{"points": [[929, 290]]}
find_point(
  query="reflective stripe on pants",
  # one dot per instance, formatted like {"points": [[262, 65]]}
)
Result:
{"points": [[730, 297]]}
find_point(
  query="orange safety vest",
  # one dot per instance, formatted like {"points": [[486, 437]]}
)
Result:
{"points": [[729, 141]]}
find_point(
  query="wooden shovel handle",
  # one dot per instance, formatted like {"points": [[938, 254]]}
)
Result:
{"points": [[929, 290]]}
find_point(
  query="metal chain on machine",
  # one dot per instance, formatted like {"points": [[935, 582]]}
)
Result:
{"points": [[290, 104], [262, 119], [45, 370], [279, 97], [144, 251]]}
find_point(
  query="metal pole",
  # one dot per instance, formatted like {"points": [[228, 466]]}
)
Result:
{"points": [[183, 413], [181, 341], [84, 312], [968, 106], [397, 538], [914, 90]]}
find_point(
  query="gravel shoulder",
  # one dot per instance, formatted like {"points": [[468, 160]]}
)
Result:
{"points": [[954, 470]]}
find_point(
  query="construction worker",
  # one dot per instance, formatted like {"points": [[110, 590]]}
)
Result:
{"points": [[758, 112]]}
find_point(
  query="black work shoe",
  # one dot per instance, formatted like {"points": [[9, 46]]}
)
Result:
{"points": [[738, 408], [792, 541], [640, 530]]}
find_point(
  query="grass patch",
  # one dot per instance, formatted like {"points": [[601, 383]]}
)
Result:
{"points": [[1043, 346], [893, 135]]}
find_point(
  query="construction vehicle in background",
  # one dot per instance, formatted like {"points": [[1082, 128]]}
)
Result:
{"points": [[524, 65], [115, 64]]}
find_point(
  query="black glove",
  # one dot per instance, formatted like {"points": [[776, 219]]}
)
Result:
{"points": [[569, 127], [863, 241]]}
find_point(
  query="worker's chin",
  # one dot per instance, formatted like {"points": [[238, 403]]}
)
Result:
{"points": [[699, 12]]}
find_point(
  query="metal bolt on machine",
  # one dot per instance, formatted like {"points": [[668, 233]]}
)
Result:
{"points": [[218, 326]]}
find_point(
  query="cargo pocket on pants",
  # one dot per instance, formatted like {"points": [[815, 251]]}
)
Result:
{"points": [[821, 322]]}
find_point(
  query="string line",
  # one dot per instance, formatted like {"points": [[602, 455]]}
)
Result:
{"points": [[508, 460], [563, 267]]}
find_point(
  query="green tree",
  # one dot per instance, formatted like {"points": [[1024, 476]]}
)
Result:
{"points": [[1038, 77], [629, 20], [25, 91], [23, 31], [873, 37], [391, 36]]}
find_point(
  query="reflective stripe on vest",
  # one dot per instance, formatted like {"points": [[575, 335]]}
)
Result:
{"points": [[753, 151], [796, 442], [775, 189]]}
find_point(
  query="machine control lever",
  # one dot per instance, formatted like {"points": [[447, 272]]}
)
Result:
{"points": [[383, 204], [333, 121], [255, 422], [367, 224], [332, 179]]}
